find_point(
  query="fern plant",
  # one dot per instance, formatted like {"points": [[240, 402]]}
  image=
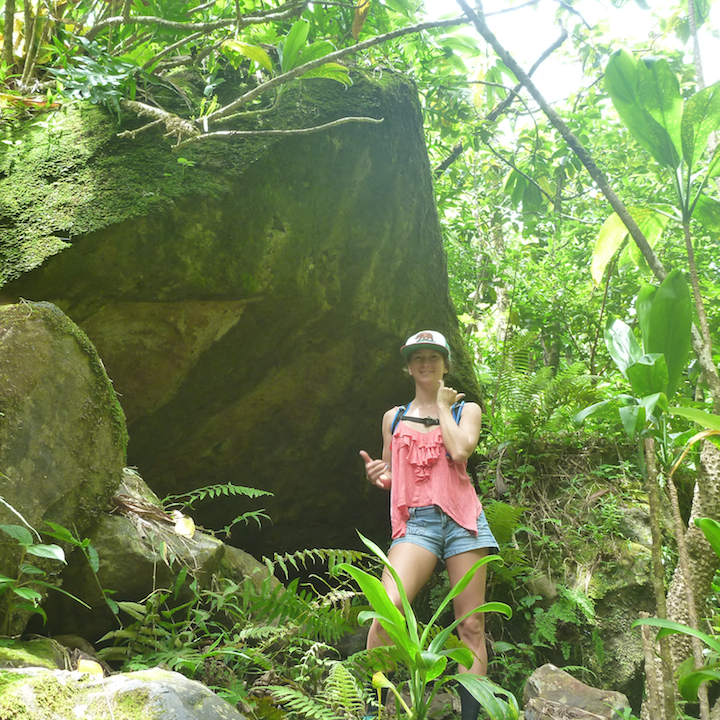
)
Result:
{"points": [[211, 492], [341, 698], [530, 401]]}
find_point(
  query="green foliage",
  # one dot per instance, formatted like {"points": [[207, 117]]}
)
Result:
{"points": [[211, 492], [96, 76], [22, 593], [423, 652], [503, 519], [305, 558], [340, 697], [690, 679], [531, 402]]}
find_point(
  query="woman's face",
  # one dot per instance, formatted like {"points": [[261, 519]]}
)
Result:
{"points": [[426, 364]]}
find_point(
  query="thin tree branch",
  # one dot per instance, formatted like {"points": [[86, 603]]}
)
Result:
{"points": [[174, 125], [263, 17], [330, 57], [172, 48], [501, 106], [511, 164], [275, 133], [199, 8]]}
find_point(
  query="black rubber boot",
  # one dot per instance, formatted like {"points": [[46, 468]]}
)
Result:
{"points": [[469, 706]]}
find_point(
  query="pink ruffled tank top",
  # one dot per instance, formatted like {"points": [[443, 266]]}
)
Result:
{"points": [[423, 474]]}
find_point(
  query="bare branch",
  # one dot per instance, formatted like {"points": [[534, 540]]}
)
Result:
{"points": [[204, 6], [501, 106], [173, 124], [330, 57], [572, 10], [172, 48], [263, 17], [276, 133]]}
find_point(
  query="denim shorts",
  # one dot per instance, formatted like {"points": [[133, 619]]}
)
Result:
{"points": [[431, 528]]}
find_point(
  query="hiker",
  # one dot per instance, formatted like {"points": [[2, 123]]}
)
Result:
{"points": [[434, 509]]}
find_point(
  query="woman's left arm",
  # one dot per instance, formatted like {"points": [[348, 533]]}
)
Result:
{"points": [[460, 439]]}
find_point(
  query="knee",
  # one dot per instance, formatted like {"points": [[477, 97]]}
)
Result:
{"points": [[472, 628]]}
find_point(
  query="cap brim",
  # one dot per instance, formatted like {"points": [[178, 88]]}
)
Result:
{"points": [[407, 349]]}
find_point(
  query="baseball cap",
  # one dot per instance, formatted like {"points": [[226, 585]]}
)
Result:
{"points": [[426, 339]]}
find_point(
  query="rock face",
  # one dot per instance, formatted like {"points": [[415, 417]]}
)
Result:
{"points": [[138, 552], [552, 694], [249, 307], [35, 694], [62, 432]]}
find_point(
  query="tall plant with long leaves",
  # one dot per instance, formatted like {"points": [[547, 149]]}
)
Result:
{"points": [[423, 651], [653, 371], [646, 94]]}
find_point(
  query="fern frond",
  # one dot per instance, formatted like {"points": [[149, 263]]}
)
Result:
{"points": [[312, 556], [503, 519], [298, 702], [342, 692], [211, 492]]}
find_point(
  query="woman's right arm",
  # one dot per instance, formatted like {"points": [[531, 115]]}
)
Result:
{"points": [[379, 472]]}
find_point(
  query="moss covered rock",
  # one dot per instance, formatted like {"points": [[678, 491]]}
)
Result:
{"points": [[38, 694], [249, 302], [62, 431]]}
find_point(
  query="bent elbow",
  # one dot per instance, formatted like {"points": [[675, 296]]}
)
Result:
{"points": [[460, 457]]}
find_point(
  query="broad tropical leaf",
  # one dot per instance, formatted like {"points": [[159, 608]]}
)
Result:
{"points": [[362, 9], [294, 43], [19, 533], [252, 52], [331, 71], [711, 530], [633, 419], [689, 684], [659, 92], [670, 627], [621, 344], [649, 375], [700, 118], [613, 233], [51, 552], [668, 326], [708, 420], [623, 78]]}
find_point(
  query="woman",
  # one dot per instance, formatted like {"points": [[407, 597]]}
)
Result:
{"points": [[434, 510]]}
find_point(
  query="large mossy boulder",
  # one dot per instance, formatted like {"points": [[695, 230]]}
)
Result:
{"points": [[62, 431], [249, 302]]}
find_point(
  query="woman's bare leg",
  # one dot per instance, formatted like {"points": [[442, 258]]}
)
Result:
{"points": [[472, 629], [414, 565]]}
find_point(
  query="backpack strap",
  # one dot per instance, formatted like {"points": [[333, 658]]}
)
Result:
{"points": [[456, 410], [398, 417]]}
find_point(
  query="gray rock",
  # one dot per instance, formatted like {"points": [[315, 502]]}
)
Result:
{"points": [[62, 431], [553, 694], [138, 553], [38, 694]]}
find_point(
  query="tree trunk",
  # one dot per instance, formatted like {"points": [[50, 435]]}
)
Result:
{"points": [[666, 682], [703, 561], [7, 52]]}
